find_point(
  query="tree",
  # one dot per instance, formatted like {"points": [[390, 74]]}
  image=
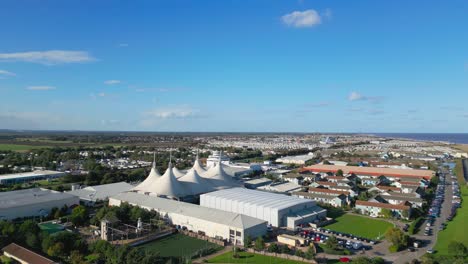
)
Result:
{"points": [[457, 248], [273, 248], [332, 243], [339, 173], [397, 238], [259, 244], [79, 215], [284, 249], [247, 241], [310, 253], [387, 213], [299, 253], [405, 214]]}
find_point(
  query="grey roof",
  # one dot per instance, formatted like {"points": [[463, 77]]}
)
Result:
{"points": [[101, 192], [258, 181], [30, 197], [319, 195], [191, 210], [37, 173], [259, 198]]}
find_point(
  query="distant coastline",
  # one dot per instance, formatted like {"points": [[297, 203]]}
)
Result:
{"points": [[456, 138]]}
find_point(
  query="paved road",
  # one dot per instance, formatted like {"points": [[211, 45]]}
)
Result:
{"points": [[430, 241]]}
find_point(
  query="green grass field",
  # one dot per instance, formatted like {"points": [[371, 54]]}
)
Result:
{"points": [[14, 147], [360, 226], [177, 245], [456, 229], [251, 258]]}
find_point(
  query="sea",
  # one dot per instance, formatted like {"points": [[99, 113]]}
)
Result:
{"points": [[457, 138]]}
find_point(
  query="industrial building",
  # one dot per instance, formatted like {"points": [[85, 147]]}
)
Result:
{"points": [[25, 256], [277, 209], [33, 202], [208, 221], [23, 177], [92, 194]]}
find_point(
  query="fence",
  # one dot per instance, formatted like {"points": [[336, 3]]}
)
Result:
{"points": [[280, 255], [202, 237]]}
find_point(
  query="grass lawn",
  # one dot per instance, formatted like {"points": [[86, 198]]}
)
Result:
{"points": [[456, 229], [14, 147], [177, 245], [360, 226], [251, 258]]}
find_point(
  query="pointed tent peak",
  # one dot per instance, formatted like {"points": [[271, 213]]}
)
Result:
{"points": [[154, 159], [177, 172], [170, 158]]}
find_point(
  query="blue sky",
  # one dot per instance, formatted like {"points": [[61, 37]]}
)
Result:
{"points": [[305, 66]]}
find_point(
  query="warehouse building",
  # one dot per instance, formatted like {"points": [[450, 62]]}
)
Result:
{"points": [[277, 209], [208, 221], [92, 194], [14, 178], [33, 202]]}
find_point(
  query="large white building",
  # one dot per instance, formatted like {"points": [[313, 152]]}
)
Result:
{"points": [[23, 177], [33, 202], [277, 209], [212, 222], [299, 159]]}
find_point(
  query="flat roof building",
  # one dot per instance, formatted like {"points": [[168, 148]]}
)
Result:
{"points": [[277, 209], [23, 177], [92, 194], [33, 202], [212, 222], [372, 171]]}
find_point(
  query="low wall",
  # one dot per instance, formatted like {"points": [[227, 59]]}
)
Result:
{"points": [[280, 255]]}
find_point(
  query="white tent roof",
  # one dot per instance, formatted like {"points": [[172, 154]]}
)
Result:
{"points": [[168, 185], [220, 177], [153, 176], [177, 172], [195, 183], [198, 167]]}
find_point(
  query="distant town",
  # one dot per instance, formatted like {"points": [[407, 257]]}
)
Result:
{"points": [[97, 197]]}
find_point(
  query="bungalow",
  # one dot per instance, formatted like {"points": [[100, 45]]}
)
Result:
{"points": [[353, 191], [385, 189], [326, 184], [294, 178], [370, 181], [336, 178], [396, 200], [336, 201], [374, 209]]}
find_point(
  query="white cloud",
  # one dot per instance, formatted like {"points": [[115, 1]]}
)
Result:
{"points": [[123, 45], [307, 18], [49, 57], [40, 88], [101, 94], [172, 112], [355, 96], [7, 73], [111, 82]]}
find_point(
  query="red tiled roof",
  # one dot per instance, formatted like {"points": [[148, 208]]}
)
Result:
{"points": [[372, 171], [383, 205], [409, 183], [326, 183], [327, 191]]}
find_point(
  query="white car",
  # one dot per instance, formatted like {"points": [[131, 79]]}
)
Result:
{"points": [[430, 251]]}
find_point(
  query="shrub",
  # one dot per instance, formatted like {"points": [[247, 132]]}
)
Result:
{"points": [[393, 248]]}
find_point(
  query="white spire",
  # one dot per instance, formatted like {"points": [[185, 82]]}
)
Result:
{"points": [[153, 176]]}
